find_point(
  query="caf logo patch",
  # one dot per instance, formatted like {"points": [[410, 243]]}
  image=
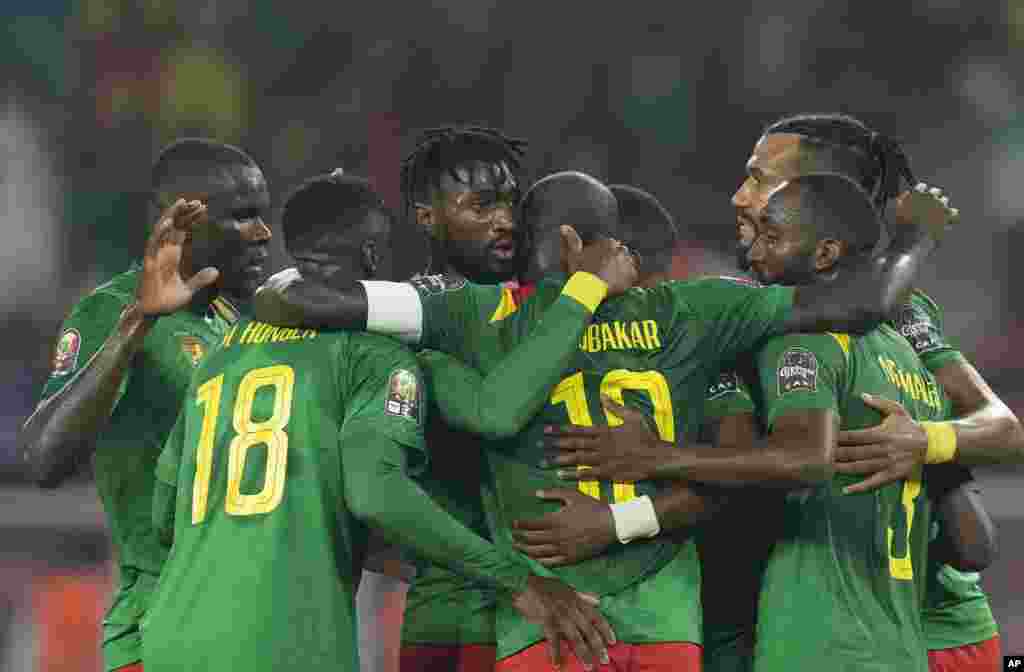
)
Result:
{"points": [[726, 383], [193, 349], [798, 370], [438, 284], [403, 395], [918, 329], [65, 356]]}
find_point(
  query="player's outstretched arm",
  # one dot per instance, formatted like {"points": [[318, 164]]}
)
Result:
{"points": [[61, 433], [871, 288], [967, 536], [379, 492]]}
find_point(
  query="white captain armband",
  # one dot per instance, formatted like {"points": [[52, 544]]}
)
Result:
{"points": [[635, 519], [394, 309]]}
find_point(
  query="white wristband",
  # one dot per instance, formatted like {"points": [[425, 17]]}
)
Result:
{"points": [[635, 519], [394, 309]]}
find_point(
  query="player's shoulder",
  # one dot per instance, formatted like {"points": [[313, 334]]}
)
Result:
{"points": [[828, 346], [371, 344], [110, 297]]}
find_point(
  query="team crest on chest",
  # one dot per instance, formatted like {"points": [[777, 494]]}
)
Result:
{"points": [[403, 395], [193, 348], [65, 356]]}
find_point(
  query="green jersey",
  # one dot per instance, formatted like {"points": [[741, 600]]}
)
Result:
{"points": [[444, 607], [260, 519], [656, 349], [845, 583], [956, 611], [127, 450]]}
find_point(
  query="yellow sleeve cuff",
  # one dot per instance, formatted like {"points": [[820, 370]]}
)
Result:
{"points": [[941, 442], [587, 289]]}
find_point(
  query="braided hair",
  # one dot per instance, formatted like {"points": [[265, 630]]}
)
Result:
{"points": [[438, 151], [875, 161]]}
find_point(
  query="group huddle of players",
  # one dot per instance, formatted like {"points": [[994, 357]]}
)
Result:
{"points": [[585, 463]]}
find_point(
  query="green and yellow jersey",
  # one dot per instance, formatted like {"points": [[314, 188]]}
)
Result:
{"points": [[127, 450], [845, 582]]}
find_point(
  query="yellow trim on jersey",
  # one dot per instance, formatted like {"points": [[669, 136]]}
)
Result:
{"points": [[941, 442], [588, 289], [225, 309], [844, 342], [506, 306]]}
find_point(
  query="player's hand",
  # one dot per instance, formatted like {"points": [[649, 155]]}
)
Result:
{"points": [[162, 288], [275, 300], [887, 453], [568, 616], [606, 258], [626, 453], [923, 208], [580, 530]]}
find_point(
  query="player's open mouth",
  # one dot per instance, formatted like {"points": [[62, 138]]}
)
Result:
{"points": [[504, 249]]}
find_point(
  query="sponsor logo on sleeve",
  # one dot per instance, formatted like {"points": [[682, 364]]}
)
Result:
{"points": [[916, 327], [403, 398], [438, 284], [727, 383], [798, 370], [65, 356]]}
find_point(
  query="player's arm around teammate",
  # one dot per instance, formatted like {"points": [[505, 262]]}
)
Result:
{"points": [[61, 434]]}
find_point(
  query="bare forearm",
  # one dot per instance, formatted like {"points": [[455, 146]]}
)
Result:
{"points": [[766, 463], [62, 432], [308, 304]]}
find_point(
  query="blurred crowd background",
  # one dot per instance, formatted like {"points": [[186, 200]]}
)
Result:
{"points": [[666, 96]]}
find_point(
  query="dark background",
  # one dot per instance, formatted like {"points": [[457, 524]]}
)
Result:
{"points": [[667, 96]]}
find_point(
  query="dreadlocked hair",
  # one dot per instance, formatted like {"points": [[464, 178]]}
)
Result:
{"points": [[875, 161], [441, 149]]}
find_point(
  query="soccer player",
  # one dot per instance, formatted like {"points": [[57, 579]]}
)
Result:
{"points": [[649, 230], [683, 329], [290, 444], [832, 544], [843, 144], [127, 350]]}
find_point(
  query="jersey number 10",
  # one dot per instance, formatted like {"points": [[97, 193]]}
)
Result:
{"points": [[248, 433], [572, 393]]}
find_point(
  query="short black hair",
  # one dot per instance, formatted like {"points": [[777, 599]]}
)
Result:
{"points": [[830, 205], [572, 198], [192, 158], [325, 207], [647, 227], [875, 161], [440, 150]]}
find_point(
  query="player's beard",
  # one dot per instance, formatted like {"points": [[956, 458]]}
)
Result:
{"points": [[475, 261], [796, 270], [742, 261]]}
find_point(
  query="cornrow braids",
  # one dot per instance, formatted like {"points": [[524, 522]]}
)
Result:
{"points": [[875, 161]]}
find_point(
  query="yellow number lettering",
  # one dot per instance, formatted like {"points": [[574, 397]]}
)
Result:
{"points": [[901, 567], [571, 393], [248, 433]]}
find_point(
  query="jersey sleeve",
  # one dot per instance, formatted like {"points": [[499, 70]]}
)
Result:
{"points": [[500, 404], [386, 393], [166, 487], [737, 314], [920, 322], [800, 372], [450, 304], [728, 395], [82, 335]]}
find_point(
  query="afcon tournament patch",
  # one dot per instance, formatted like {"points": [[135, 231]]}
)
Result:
{"points": [[727, 383], [403, 395], [438, 284], [915, 326], [193, 349], [798, 370], [65, 357]]}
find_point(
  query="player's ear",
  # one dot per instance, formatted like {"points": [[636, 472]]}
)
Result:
{"points": [[827, 254], [572, 247], [370, 258], [425, 218]]}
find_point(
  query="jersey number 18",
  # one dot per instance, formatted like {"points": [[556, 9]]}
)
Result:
{"points": [[248, 433]]}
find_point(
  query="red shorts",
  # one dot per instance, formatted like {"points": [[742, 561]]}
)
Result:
{"points": [[134, 667], [464, 658], [981, 657], [665, 657]]}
